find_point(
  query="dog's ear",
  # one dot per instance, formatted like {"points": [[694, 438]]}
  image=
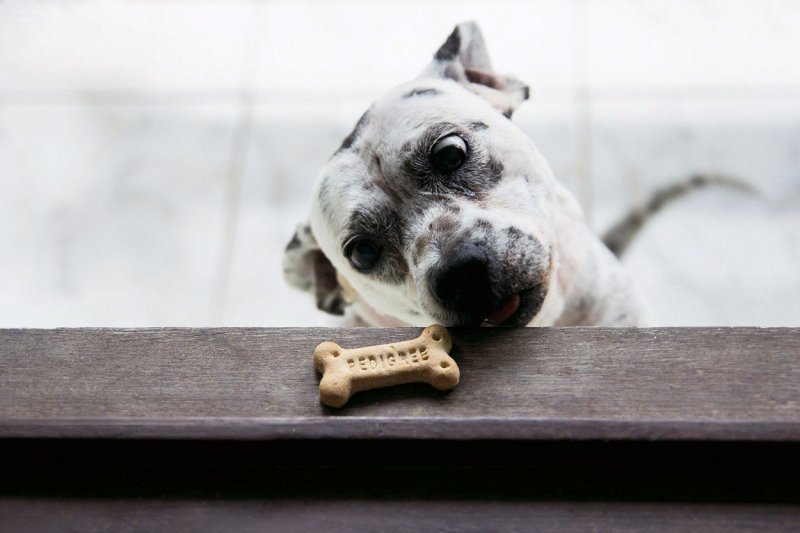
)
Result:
{"points": [[306, 267], [463, 58]]}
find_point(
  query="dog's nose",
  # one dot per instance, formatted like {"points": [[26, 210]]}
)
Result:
{"points": [[462, 283]]}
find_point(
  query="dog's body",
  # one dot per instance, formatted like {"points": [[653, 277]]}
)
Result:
{"points": [[437, 208]]}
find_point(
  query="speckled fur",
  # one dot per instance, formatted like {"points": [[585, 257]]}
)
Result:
{"points": [[503, 199]]}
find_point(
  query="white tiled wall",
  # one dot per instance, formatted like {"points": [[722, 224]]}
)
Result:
{"points": [[155, 156]]}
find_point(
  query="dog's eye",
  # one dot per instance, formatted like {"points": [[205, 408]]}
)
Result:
{"points": [[364, 253], [448, 154]]}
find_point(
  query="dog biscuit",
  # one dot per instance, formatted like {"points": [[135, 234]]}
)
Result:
{"points": [[421, 360]]}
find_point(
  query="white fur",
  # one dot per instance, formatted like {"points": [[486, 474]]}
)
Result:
{"points": [[587, 284]]}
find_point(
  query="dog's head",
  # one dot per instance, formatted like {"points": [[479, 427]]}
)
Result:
{"points": [[436, 208]]}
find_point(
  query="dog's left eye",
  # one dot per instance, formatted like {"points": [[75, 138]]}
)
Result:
{"points": [[448, 154], [363, 253]]}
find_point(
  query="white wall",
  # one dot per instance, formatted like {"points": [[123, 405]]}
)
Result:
{"points": [[155, 156]]}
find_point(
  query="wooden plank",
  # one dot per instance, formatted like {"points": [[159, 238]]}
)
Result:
{"points": [[536, 383], [423, 427], [22, 514]]}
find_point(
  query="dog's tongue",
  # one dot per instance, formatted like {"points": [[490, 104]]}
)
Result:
{"points": [[506, 309]]}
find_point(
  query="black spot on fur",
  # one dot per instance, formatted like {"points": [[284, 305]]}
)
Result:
{"points": [[421, 92], [420, 244], [478, 126], [445, 225], [454, 208], [294, 243], [515, 234], [449, 50], [353, 136], [483, 224], [495, 169]]}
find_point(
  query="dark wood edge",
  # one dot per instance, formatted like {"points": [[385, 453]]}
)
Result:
{"points": [[380, 428]]}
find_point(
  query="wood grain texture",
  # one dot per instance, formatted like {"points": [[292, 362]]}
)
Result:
{"points": [[536, 383], [21, 515]]}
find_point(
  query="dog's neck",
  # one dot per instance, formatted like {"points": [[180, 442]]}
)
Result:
{"points": [[359, 313]]}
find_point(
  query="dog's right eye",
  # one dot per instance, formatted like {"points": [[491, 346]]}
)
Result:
{"points": [[448, 154], [363, 253]]}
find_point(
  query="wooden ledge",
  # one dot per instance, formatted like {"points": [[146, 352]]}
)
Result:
{"points": [[527, 384], [388, 428]]}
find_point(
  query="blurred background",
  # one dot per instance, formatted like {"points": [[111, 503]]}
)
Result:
{"points": [[155, 156]]}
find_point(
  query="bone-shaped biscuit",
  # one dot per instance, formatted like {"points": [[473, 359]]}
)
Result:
{"points": [[422, 360]]}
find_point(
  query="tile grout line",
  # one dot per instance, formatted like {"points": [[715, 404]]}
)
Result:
{"points": [[240, 143], [235, 176], [583, 107]]}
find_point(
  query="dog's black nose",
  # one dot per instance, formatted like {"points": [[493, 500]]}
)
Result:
{"points": [[463, 283]]}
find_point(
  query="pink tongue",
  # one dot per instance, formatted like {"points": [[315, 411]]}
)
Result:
{"points": [[504, 312]]}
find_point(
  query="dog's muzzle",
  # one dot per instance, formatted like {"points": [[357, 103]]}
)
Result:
{"points": [[475, 291]]}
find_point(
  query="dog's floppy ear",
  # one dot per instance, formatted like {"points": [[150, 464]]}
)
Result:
{"points": [[305, 267], [463, 58]]}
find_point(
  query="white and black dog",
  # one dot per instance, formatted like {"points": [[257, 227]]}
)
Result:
{"points": [[437, 208]]}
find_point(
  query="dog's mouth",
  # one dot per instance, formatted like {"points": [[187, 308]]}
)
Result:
{"points": [[517, 309], [512, 311], [471, 290], [505, 311]]}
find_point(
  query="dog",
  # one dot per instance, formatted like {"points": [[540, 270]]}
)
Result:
{"points": [[438, 208]]}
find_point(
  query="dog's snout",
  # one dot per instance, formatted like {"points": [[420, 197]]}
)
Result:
{"points": [[462, 284]]}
